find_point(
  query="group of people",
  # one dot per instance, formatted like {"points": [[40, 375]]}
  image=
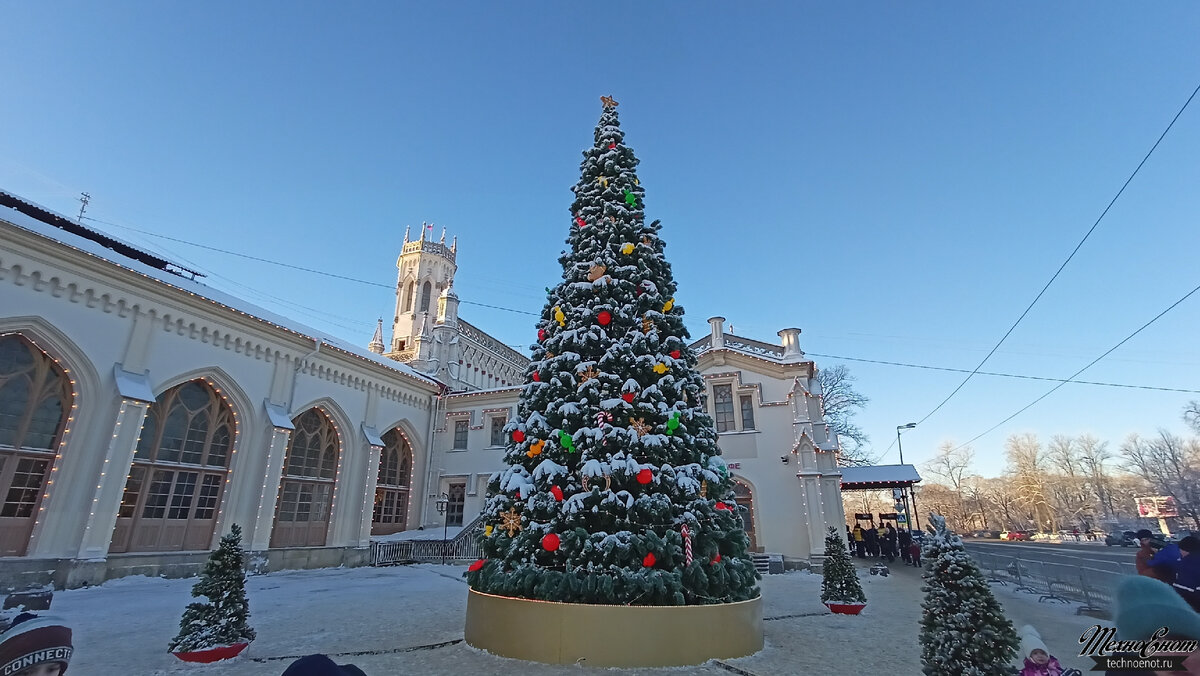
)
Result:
{"points": [[883, 542], [1177, 564], [40, 645]]}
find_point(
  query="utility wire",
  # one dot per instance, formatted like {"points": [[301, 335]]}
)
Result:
{"points": [[1003, 375], [1064, 263], [286, 265], [1088, 366]]}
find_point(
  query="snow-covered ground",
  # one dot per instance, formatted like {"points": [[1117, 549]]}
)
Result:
{"points": [[409, 620]]}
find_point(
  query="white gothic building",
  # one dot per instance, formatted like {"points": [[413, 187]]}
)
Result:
{"points": [[143, 414]]}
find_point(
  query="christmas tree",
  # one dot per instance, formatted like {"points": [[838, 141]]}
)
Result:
{"points": [[614, 490], [963, 628], [839, 582], [223, 621]]}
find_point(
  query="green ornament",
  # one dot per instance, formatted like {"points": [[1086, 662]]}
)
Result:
{"points": [[630, 199], [673, 423], [566, 441]]}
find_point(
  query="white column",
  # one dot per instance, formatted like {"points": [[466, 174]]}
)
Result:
{"points": [[110, 485], [811, 484], [368, 501], [258, 536]]}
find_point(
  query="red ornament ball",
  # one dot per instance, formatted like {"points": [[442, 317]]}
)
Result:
{"points": [[541, 334], [722, 505], [518, 436], [645, 476], [612, 146], [550, 542], [477, 565], [717, 558], [628, 397], [674, 354], [536, 377], [650, 560], [605, 318], [557, 493], [580, 221]]}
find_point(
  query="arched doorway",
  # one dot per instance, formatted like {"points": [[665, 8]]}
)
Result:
{"points": [[391, 489], [35, 397], [179, 470], [306, 490], [744, 498]]}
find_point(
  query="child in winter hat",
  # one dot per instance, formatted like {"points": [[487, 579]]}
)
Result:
{"points": [[35, 646], [321, 665], [1038, 660]]}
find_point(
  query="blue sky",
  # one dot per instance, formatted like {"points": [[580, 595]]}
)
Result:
{"points": [[898, 180]]}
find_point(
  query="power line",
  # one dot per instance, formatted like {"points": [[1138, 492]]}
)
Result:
{"points": [[1003, 375], [1088, 366], [287, 265], [1068, 260]]}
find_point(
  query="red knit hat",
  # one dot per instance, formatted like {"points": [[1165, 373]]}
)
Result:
{"points": [[34, 640]]}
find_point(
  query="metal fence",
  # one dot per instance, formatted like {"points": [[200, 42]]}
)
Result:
{"points": [[462, 547], [1091, 586]]}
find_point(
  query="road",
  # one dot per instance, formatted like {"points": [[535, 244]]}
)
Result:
{"points": [[1084, 555]]}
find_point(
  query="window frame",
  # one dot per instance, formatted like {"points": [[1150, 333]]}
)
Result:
{"points": [[462, 425], [746, 409], [496, 431], [724, 421]]}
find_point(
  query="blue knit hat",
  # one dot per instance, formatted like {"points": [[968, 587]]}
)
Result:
{"points": [[321, 665], [1144, 605]]}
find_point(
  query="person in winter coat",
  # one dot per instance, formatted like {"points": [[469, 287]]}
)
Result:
{"points": [[871, 539], [1142, 607], [1144, 554], [1038, 660], [890, 538], [904, 540], [321, 665], [860, 545], [849, 540], [35, 646], [914, 553], [1183, 560]]}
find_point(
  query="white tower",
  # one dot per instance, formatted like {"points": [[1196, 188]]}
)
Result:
{"points": [[424, 270]]}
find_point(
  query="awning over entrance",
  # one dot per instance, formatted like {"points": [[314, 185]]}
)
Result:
{"points": [[875, 477]]}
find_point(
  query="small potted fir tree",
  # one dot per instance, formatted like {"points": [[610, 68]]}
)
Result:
{"points": [[218, 629], [840, 588]]}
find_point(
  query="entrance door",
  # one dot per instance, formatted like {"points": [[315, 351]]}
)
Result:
{"points": [[745, 502]]}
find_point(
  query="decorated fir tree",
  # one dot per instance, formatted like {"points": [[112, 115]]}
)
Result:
{"points": [[224, 619], [839, 582], [963, 627], [614, 490]]}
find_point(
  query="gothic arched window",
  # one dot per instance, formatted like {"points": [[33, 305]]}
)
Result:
{"points": [[408, 296], [391, 489], [426, 293], [302, 515], [35, 396], [179, 469]]}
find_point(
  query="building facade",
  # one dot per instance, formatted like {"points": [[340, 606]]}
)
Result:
{"points": [[143, 413]]}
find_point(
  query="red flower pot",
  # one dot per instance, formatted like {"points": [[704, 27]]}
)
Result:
{"points": [[846, 608], [212, 654]]}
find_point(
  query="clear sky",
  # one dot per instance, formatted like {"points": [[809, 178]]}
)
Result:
{"points": [[897, 179]]}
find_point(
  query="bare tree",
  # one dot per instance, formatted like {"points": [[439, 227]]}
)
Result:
{"points": [[1170, 465], [1094, 457], [952, 467], [1191, 415], [841, 402], [1073, 496], [1029, 471]]}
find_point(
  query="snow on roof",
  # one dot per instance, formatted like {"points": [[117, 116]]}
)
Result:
{"points": [[96, 249], [490, 390], [883, 476]]}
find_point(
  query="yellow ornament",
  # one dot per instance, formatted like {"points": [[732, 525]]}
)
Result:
{"points": [[487, 530], [603, 180], [559, 316], [668, 305], [627, 249], [660, 368], [703, 488]]}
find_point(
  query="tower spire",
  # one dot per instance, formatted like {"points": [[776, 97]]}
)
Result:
{"points": [[376, 344]]}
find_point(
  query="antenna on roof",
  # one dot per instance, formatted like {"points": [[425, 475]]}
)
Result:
{"points": [[84, 198]]}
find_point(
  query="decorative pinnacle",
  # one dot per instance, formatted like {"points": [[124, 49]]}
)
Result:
{"points": [[608, 102]]}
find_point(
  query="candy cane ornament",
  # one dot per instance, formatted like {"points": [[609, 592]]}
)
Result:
{"points": [[687, 546]]}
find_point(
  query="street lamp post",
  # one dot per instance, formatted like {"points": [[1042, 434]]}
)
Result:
{"points": [[911, 514], [442, 503]]}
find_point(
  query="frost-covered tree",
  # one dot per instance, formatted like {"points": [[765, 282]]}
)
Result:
{"points": [[839, 583], [614, 490], [224, 619], [963, 628]]}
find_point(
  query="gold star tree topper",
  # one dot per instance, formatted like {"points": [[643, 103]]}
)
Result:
{"points": [[608, 102]]}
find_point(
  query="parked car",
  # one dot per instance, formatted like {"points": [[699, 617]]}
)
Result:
{"points": [[1014, 535], [993, 534], [1128, 538], [1176, 537]]}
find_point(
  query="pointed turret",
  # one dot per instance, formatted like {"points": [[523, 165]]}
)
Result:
{"points": [[376, 344]]}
